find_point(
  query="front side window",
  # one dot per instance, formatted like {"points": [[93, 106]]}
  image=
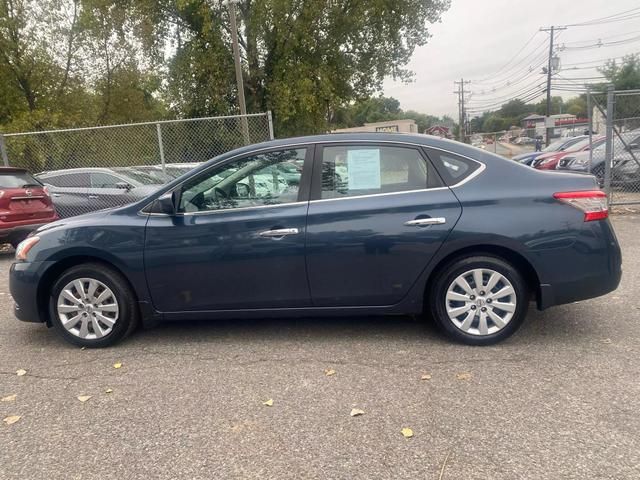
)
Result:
{"points": [[352, 170], [263, 179], [104, 180]]}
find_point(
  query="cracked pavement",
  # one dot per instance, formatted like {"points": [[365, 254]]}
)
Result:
{"points": [[560, 399]]}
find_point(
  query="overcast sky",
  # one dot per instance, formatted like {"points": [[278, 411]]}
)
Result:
{"points": [[476, 38]]}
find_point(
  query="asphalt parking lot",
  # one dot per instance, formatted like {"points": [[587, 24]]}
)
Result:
{"points": [[559, 400]]}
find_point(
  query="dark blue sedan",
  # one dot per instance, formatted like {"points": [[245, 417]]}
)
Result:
{"points": [[374, 224]]}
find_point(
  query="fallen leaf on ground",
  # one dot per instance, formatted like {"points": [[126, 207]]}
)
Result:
{"points": [[9, 398], [356, 412], [268, 403], [11, 419], [108, 390], [329, 371], [84, 398], [117, 365], [426, 376], [21, 372], [407, 432], [463, 375]]}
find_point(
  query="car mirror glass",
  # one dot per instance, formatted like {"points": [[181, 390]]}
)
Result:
{"points": [[123, 186]]}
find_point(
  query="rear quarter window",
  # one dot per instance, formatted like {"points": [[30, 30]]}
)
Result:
{"points": [[452, 168], [17, 179]]}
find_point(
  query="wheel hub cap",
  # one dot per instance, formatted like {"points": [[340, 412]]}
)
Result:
{"points": [[481, 301], [87, 308]]}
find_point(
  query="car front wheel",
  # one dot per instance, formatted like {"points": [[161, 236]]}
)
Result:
{"points": [[92, 305], [479, 300]]}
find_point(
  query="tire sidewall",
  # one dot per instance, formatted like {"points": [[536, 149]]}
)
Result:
{"points": [[437, 298], [126, 305]]}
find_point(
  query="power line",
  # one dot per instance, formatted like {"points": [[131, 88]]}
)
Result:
{"points": [[511, 59], [616, 17], [600, 44], [536, 54]]}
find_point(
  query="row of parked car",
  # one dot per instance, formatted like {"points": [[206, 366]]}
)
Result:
{"points": [[28, 201], [578, 154]]}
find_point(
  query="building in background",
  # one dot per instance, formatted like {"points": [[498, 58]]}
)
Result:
{"points": [[391, 126]]}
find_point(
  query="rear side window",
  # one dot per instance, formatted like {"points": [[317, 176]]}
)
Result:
{"points": [[355, 170], [16, 179], [69, 180], [453, 168]]}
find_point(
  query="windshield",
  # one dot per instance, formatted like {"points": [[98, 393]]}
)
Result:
{"points": [[555, 146]]}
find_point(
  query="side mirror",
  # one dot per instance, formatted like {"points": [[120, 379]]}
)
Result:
{"points": [[165, 204], [633, 146], [123, 186], [241, 190]]}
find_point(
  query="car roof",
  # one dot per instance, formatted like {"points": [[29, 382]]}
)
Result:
{"points": [[13, 170], [76, 170]]}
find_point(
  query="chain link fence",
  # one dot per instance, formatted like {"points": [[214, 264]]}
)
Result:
{"points": [[622, 147], [88, 169], [507, 143]]}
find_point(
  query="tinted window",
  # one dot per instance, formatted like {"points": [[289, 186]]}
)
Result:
{"points": [[364, 170], [451, 167], [249, 182], [68, 180], [104, 180], [16, 179]]}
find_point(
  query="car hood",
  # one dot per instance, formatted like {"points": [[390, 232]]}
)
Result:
{"points": [[77, 220]]}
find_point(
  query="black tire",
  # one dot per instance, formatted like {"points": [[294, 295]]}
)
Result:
{"points": [[437, 298], [128, 314]]}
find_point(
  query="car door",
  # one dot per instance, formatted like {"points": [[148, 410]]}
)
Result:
{"points": [[69, 192], [237, 240], [377, 215]]}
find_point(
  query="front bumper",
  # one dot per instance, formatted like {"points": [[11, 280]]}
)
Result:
{"points": [[24, 279]]}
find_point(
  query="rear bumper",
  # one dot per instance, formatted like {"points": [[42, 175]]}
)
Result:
{"points": [[24, 278], [600, 277]]}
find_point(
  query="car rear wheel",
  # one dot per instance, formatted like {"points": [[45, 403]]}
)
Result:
{"points": [[479, 300], [92, 305]]}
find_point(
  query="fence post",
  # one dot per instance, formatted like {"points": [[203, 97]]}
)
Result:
{"points": [[590, 127], [270, 119], [160, 146], [608, 155], [3, 151]]}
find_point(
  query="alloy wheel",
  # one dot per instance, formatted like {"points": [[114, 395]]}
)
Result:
{"points": [[481, 301], [87, 308]]}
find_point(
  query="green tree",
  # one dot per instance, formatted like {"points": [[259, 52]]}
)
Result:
{"points": [[302, 60]]}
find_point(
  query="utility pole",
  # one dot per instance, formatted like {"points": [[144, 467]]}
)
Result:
{"points": [[550, 69], [462, 115], [238, 65]]}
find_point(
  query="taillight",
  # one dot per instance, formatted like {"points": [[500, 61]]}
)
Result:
{"points": [[592, 202]]}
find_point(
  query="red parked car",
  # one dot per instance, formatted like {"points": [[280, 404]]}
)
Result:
{"points": [[549, 161], [25, 204]]}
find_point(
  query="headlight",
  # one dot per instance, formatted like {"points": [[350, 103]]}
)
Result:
{"points": [[580, 161], [546, 160], [22, 250]]}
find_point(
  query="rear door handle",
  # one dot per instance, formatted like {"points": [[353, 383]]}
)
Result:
{"points": [[423, 222], [93, 196], [56, 195], [279, 233]]}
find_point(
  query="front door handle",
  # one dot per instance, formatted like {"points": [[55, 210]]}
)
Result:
{"points": [[279, 233], [93, 197], [423, 222], [56, 195]]}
